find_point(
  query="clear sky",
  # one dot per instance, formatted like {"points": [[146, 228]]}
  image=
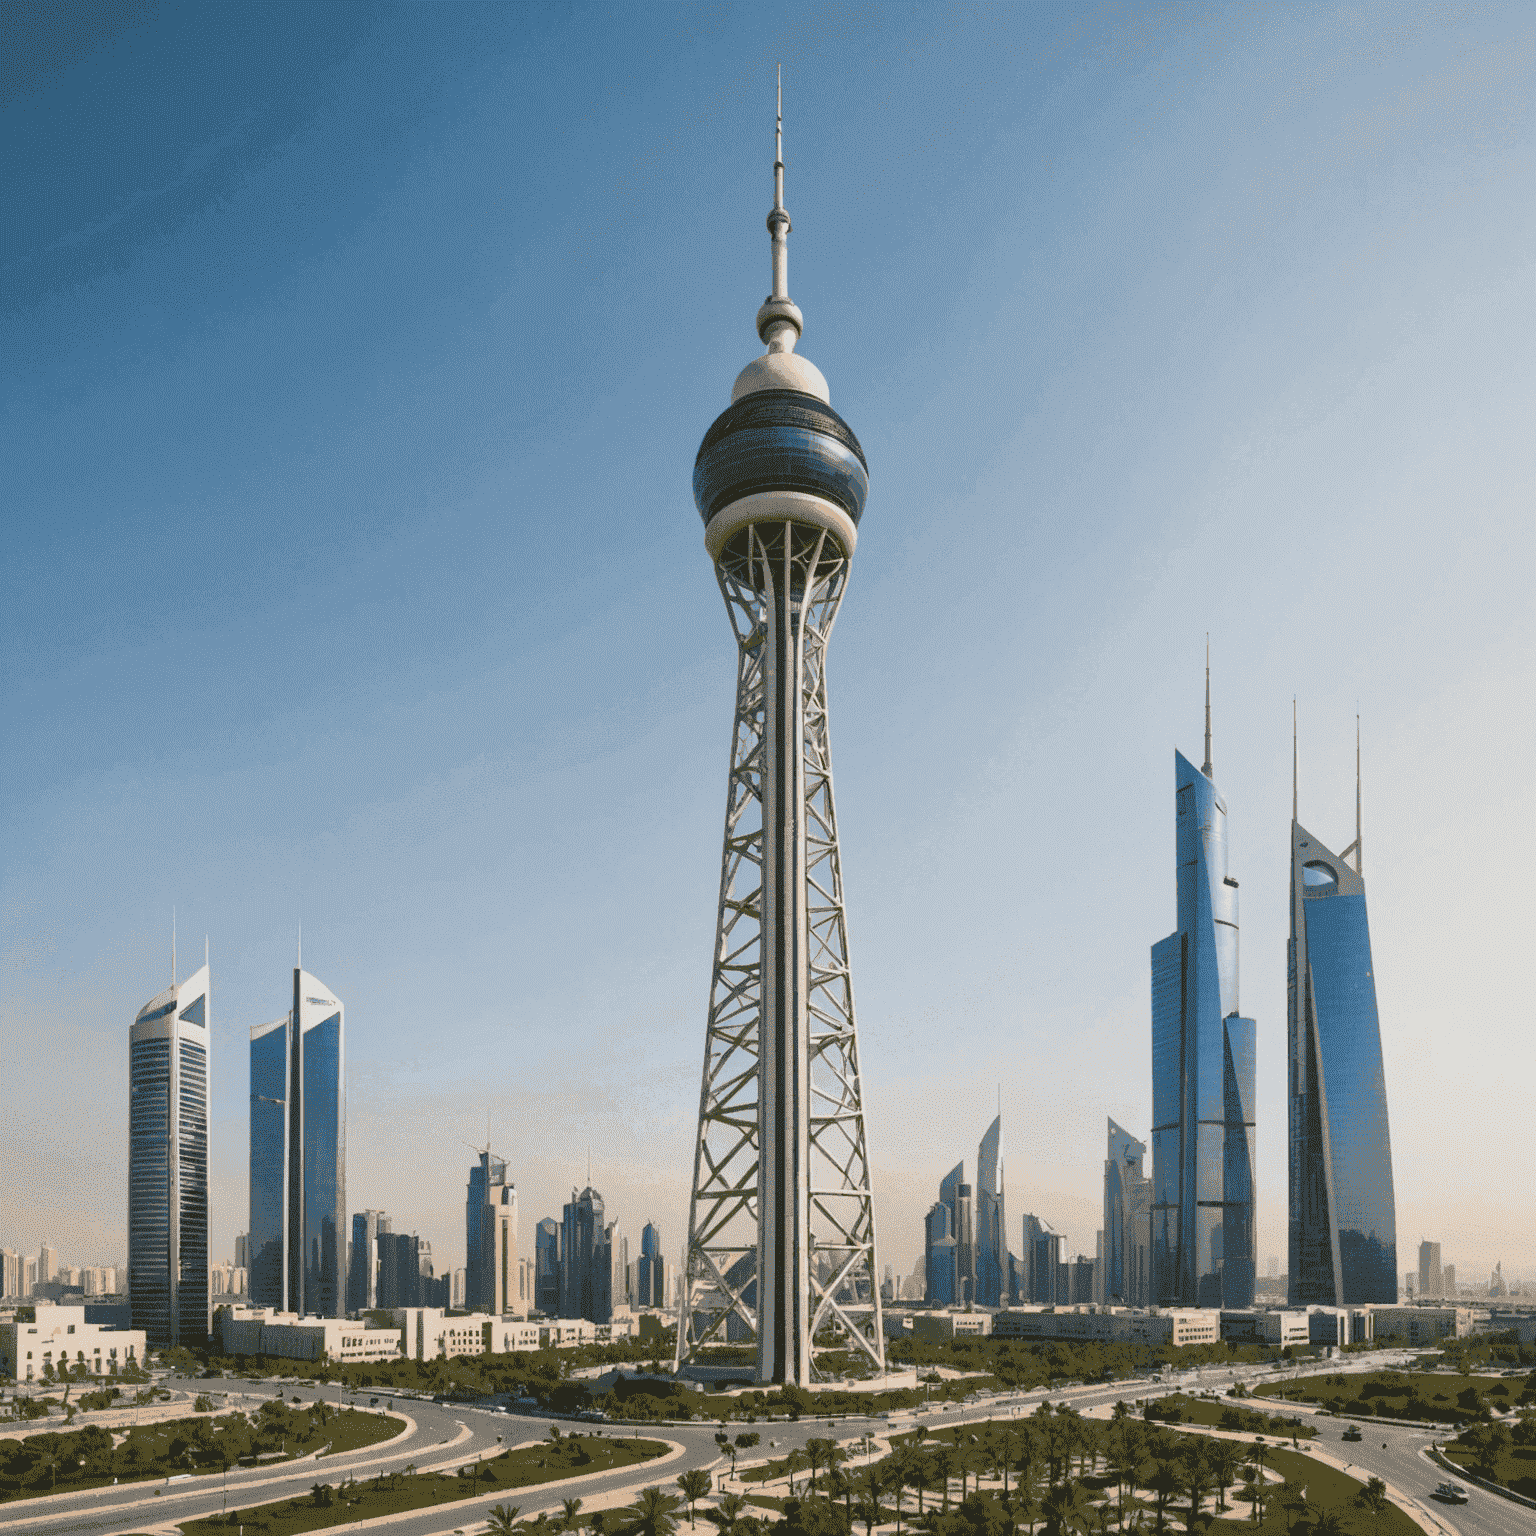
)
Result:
{"points": [[355, 358]]}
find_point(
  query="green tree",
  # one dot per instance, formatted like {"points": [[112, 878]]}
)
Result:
{"points": [[1373, 1500], [655, 1513], [729, 1511], [695, 1484], [1195, 1463], [1065, 1509], [1226, 1458], [572, 1508], [502, 1520]]}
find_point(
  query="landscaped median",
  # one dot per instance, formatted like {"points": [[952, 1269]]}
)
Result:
{"points": [[92, 1457], [548, 1461]]}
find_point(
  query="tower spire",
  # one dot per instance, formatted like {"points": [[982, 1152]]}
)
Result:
{"points": [[173, 946], [1206, 770], [1293, 759], [779, 321], [1359, 835]]}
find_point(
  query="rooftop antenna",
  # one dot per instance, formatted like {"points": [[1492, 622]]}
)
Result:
{"points": [[1207, 769], [205, 951], [1293, 758], [173, 946], [779, 321], [300, 961]]}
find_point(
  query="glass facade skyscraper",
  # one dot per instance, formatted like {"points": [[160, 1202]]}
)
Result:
{"points": [[298, 1170], [486, 1180], [168, 1061], [1343, 1208], [992, 1281], [1127, 1251], [1203, 1077]]}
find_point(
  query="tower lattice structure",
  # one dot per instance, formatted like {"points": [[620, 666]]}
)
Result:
{"points": [[781, 1233]]}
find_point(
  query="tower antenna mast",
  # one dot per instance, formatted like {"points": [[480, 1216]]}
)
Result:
{"points": [[1206, 770], [1294, 780], [1359, 834]]}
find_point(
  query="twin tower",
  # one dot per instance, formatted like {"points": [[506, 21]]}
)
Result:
{"points": [[1343, 1224]]}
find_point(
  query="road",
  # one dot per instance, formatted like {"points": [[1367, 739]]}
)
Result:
{"points": [[454, 1434]]}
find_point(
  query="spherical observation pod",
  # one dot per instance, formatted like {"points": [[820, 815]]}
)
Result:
{"points": [[780, 455]]}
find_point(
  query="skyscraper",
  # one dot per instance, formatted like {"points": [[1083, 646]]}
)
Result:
{"points": [[991, 1234], [490, 1237], [1202, 1068], [1343, 1207], [939, 1267], [364, 1265], [585, 1260], [955, 1193], [168, 1164], [1041, 1262], [546, 1267], [298, 1169], [1127, 1235], [780, 481], [1431, 1281], [652, 1279]]}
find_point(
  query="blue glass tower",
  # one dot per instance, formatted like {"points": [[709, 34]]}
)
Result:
{"points": [[1202, 1069], [1343, 1208], [298, 1169]]}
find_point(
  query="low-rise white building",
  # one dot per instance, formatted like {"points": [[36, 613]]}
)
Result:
{"points": [[1421, 1325], [1266, 1325], [288, 1336], [1172, 1326], [60, 1336]]}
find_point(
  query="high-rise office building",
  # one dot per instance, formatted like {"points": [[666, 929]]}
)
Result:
{"points": [[1431, 1278], [781, 1168], [651, 1281], [956, 1194], [1203, 1081], [242, 1250], [405, 1271], [1126, 1256], [585, 1259], [992, 1283], [546, 1267], [10, 1273], [1448, 1281], [47, 1263], [1041, 1263], [298, 1169], [364, 1264], [939, 1267], [168, 1164], [1343, 1206], [490, 1237]]}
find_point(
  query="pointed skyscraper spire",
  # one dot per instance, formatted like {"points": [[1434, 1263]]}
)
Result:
{"points": [[1359, 835], [779, 321], [173, 946], [1206, 769], [1293, 760]]}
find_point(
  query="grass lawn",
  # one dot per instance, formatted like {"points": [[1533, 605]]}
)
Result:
{"points": [[352, 1431], [547, 1462], [1431, 1396], [1327, 1488], [1230, 1415]]}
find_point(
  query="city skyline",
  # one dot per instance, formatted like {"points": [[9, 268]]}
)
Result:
{"points": [[282, 335]]}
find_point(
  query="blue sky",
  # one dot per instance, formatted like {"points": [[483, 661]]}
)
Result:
{"points": [[355, 361]]}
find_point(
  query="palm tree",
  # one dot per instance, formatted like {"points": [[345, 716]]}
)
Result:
{"points": [[695, 1483], [572, 1508], [1373, 1500], [729, 1512], [816, 1451], [1065, 1508], [502, 1520], [1329, 1523], [793, 1463], [1197, 1476], [656, 1513], [943, 1462], [1226, 1458], [870, 1484], [1165, 1482]]}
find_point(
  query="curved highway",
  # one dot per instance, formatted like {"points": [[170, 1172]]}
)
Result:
{"points": [[451, 1435]]}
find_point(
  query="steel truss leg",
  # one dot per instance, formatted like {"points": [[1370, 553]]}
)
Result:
{"points": [[781, 1239]]}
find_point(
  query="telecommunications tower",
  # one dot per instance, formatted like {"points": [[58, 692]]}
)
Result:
{"points": [[781, 1227]]}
